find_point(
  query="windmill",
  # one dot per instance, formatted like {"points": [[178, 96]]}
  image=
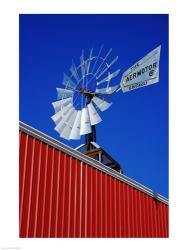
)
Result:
{"points": [[87, 91]]}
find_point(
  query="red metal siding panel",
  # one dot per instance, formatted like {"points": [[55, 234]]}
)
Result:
{"points": [[122, 208], [83, 201], [34, 189], [131, 212], [77, 217], [118, 209], [61, 196], [40, 191], [25, 190], [160, 220], [109, 207], [105, 207], [144, 215], [22, 173], [54, 194], [126, 211], [99, 204], [66, 196], [89, 202], [94, 203], [166, 220], [72, 196], [57, 194]]}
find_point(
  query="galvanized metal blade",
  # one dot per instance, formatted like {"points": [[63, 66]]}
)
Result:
{"points": [[60, 104], [110, 50], [89, 61], [107, 91], [56, 117], [65, 133], [85, 122], [97, 57], [83, 70], [109, 77], [101, 104], [75, 132], [68, 82], [74, 72], [64, 93], [104, 60], [94, 116], [107, 67], [64, 119]]}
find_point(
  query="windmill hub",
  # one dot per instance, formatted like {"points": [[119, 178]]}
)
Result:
{"points": [[87, 93]]}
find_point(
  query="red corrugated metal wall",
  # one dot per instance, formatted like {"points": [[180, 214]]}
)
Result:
{"points": [[60, 196]]}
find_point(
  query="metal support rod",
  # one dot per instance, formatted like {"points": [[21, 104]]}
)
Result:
{"points": [[91, 137]]}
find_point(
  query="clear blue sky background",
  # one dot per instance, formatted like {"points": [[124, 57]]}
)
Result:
{"points": [[134, 130]]}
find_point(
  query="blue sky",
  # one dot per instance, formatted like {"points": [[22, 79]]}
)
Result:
{"points": [[134, 130]]}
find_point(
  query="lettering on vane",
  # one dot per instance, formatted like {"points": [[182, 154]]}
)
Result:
{"points": [[149, 68], [151, 73], [137, 85]]}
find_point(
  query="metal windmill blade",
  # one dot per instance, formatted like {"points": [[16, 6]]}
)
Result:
{"points": [[81, 101]]}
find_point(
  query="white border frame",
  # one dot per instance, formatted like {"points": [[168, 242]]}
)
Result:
{"points": [[9, 119]]}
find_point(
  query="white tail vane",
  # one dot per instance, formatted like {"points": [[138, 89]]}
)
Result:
{"points": [[142, 73], [80, 102]]}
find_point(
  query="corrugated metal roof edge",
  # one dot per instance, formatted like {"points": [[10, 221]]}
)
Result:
{"points": [[59, 145]]}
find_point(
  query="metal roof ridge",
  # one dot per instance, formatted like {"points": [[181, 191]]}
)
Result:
{"points": [[67, 149]]}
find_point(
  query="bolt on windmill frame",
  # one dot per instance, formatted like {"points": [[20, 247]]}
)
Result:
{"points": [[88, 89]]}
